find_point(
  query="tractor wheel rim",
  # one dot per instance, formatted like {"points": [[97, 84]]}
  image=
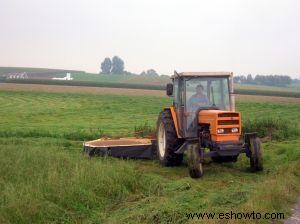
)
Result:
{"points": [[161, 140]]}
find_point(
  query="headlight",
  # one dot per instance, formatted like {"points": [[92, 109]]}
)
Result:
{"points": [[234, 130], [220, 131]]}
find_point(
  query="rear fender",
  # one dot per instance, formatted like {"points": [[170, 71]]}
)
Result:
{"points": [[174, 118]]}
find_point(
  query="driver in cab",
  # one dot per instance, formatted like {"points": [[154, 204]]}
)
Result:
{"points": [[199, 99]]}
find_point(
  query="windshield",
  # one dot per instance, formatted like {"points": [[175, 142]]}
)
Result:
{"points": [[203, 93], [207, 92]]}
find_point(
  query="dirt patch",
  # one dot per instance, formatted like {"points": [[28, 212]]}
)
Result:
{"points": [[127, 92], [295, 218], [118, 142]]}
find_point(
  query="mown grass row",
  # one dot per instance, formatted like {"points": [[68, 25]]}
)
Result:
{"points": [[84, 83], [242, 91]]}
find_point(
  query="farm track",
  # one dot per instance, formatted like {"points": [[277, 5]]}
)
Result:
{"points": [[127, 92]]}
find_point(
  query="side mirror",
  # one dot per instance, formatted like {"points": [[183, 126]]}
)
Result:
{"points": [[169, 89]]}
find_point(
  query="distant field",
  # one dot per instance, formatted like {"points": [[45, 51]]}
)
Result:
{"points": [[44, 178], [148, 86], [84, 83], [127, 92], [96, 78], [126, 79], [83, 89], [267, 88]]}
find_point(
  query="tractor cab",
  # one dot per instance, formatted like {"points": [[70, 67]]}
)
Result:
{"points": [[193, 92]]}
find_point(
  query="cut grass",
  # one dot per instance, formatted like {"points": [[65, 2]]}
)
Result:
{"points": [[61, 186], [48, 180], [44, 178]]}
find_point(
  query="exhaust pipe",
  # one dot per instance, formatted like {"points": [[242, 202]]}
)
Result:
{"points": [[231, 93]]}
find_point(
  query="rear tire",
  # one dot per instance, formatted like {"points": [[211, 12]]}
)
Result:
{"points": [[256, 159], [167, 141]]}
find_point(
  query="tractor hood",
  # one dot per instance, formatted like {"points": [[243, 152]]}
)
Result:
{"points": [[223, 125]]}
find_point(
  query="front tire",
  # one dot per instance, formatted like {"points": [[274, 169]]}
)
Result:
{"points": [[167, 140], [194, 161], [256, 159]]}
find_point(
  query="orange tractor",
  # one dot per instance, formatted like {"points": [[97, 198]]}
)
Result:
{"points": [[203, 122]]}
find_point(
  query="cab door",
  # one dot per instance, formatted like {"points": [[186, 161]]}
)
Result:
{"points": [[178, 104]]}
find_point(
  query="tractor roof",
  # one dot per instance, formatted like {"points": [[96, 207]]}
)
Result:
{"points": [[204, 74]]}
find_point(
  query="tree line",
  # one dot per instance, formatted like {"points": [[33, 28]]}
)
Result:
{"points": [[116, 65], [267, 80]]}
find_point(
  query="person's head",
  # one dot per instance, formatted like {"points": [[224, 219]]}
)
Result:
{"points": [[199, 89]]}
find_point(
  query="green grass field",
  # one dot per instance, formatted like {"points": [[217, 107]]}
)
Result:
{"points": [[45, 178]]}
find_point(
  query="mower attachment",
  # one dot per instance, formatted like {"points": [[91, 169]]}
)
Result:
{"points": [[132, 148]]}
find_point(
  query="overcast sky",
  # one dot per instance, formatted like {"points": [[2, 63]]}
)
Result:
{"points": [[243, 36]]}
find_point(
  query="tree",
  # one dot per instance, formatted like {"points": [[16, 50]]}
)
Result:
{"points": [[143, 73], [249, 79], [106, 66], [150, 73], [117, 65]]}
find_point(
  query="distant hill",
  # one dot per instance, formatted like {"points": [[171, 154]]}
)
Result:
{"points": [[35, 73]]}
